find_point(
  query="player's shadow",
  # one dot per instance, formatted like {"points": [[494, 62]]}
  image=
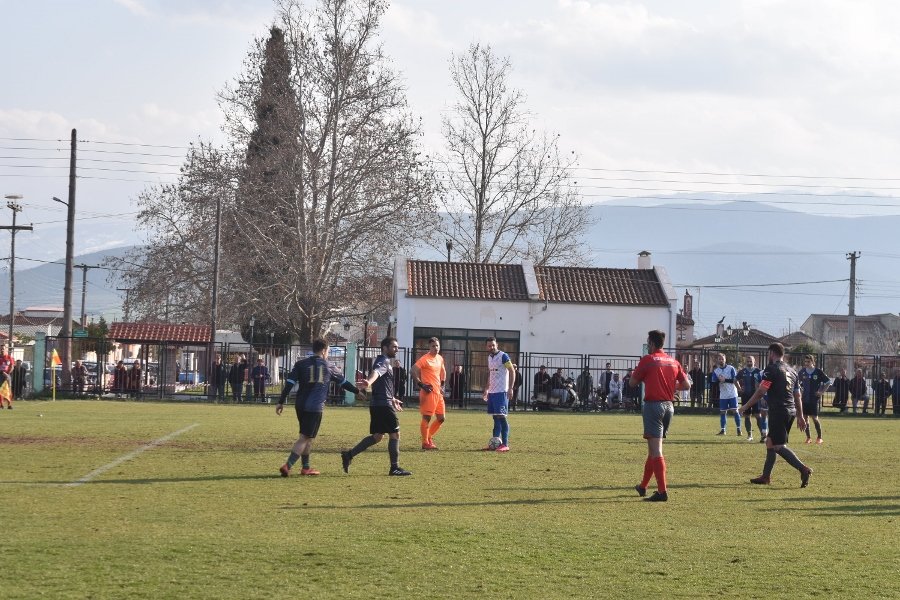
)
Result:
{"points": [[458, 504], [843, 506]]}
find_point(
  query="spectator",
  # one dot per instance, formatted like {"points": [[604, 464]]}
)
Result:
{"points": [[585, 384], [895, 392], [79, 378], [542, 382], [859, 391], [236, 376], [558, 388], [260, 376], [614, 398], [517, 385], [6, 365], [881, 389], [135, 380], [120, 380], [630, 395], [713, 387], [698, 385], [19, 377], [399, 379], [605, 378], [841, 391], [217, 378], [458, 386]]}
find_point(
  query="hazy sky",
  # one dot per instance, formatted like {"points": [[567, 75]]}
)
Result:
{"points": [[709, 89]]}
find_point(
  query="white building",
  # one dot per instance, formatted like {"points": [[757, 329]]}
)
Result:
{"points": [[554, 310]]}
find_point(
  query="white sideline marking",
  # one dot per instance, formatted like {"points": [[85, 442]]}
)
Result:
{"points": [[129, 456]]}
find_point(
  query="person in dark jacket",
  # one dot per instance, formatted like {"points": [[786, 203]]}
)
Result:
{"points": [[218, 375], [260, 376], [457, 384], [135, 381], [859, 391], [236, 376], [120, 380], [881, 389], [698, 386], [841, 390]]}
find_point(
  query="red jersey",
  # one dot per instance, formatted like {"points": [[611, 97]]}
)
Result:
{"points": [[6, 363], [659, 372]]}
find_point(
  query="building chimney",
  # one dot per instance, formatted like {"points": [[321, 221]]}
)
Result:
{"points": [[688, 305], [644, 261]]}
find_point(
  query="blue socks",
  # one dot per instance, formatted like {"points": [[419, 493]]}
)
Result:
{"points": [[497, 426], [292, 459], [723, 419], [504, 431]]}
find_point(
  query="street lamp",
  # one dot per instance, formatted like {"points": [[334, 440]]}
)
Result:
{"points": [[366, 332], [449, 248]]}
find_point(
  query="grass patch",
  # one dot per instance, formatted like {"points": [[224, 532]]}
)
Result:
{"points": [[205, 515]]}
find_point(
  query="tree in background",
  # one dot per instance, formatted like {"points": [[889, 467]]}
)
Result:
{"points": [[507, 188], [322, 182]]}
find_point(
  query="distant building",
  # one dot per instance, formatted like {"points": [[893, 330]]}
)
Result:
{"points": [[559, 310], [34, 319], [798, 338], [875, 334], [743, 339]]}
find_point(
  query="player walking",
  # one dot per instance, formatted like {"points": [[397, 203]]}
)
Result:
{"points": [[662, 375], [311, 376], [779, 384], [430, 374], [498, 391], [383, 410]]}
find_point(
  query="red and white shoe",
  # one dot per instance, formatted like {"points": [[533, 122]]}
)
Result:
{"points": [[820, 441], [429, 445], [309, 471], [285, 470], [503, 448]]}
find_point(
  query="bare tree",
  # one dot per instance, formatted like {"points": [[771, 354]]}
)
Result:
{"points": [[507, 188], [323, 182]]}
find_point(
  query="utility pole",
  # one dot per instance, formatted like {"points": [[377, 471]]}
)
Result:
{"points": [[127, 303], [84, 270], [851, 318], [214, 305], [12, 205], [66, 332]]}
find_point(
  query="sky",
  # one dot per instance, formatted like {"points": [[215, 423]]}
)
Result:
{"points": [[798, 99]]}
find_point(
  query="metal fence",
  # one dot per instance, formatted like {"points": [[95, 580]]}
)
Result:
{"points": [[166, 370]]}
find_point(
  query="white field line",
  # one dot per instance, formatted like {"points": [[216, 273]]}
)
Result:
{"points": [[129, 456]]}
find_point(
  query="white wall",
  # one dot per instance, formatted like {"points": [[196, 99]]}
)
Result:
{"points": [[552, 328]]}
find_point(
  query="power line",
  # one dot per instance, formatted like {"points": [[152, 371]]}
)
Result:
{"points": [[745, 285]]}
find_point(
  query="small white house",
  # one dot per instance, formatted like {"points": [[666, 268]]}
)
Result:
{"points": [[554, 310]]}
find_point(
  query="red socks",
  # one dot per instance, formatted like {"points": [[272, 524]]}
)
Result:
{"points": [[655, 466]]}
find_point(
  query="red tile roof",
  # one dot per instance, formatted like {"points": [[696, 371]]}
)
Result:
{"points": [[159, 332], [479, 281], [601, 286], [465, 280]]}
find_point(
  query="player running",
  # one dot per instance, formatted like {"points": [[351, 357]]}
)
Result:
{"points": [[662, 375], [311, 376], [498, 391], [383, 410], [779, 383], [430, 374]]}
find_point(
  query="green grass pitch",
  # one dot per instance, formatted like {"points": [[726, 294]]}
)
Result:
{"points": [[205, 514]]}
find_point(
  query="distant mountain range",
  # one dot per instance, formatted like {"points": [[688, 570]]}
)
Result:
{"points": [[699, 245]]}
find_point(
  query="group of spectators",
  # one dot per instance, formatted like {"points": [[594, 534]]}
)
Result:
{"points": [[246, 383]]}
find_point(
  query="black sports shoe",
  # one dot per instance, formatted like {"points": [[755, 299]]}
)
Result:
{"points": [[345, 460], [804, 477], [642, 491], [398, 472], [658, 497]]}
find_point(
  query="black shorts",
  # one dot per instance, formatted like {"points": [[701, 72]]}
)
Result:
{"points": [[779, 427], [811, 408], [754, 410], [309, 422], [383, 419]]}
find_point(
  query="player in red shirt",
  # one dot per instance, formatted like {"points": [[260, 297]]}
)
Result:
{"points": [[662, 375]]}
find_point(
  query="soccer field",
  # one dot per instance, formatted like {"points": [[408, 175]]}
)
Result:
{"points": [[93, 508]]}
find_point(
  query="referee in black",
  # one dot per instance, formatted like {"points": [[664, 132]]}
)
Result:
{"points": [[780, 384]]}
